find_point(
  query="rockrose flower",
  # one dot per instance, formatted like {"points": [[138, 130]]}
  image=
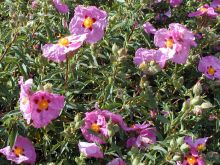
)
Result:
{"points": [[204, 10], [90, 150], [145, 136], [58, 52], [197, 145], [143, 56], [191, 159], [60, 6], [45, 107], [116, 161], [210, 67], [90, 20], [216, 5], [40, 107], [22, 152], [95, 127], [175, 3], [175, 42], [149, 28], [24, 100]]}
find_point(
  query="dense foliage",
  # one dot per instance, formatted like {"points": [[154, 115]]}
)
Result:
{"points": [[178, 100]]}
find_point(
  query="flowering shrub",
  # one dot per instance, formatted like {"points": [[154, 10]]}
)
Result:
{"points": [[110, 82]]}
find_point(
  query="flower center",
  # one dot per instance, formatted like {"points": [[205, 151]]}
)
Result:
{"points": [[18, 151], [63, 42], [217, 9], [43, 104], [203, 9], [169, 43], [24, 100], [95, 127], [201, 147], [211, 70], [191, 160], [88, 22]]}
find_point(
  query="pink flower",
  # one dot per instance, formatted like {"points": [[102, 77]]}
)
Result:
{"points": [[210, 67], [197, 145], [61, 7], [175, 42], [204, 10], [216, 5], [58, 52], [95, 125], [191, 159], [148, 28], [90, 150], [22, 152], [45, 107], [39, 107], [24, 100], [116, 161], [175, 3], [143, 56], [34, 4], [90, 20], [145, 136]]}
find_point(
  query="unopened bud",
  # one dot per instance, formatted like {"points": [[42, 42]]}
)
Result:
{"points": [[184, 148], [115, 49], [197, 89], [206, 105], [180, 140], [177, 157], [196, 100]]}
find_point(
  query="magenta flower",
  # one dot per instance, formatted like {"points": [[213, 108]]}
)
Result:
{"points": [[45, 107], [149, 28], [143, 56], [175, 42], [175, 3], [90, 20], [216, 5], [210, 67], [191, 159], [90, 150], [58, 52], [145, 136], [95, 125], [116, 161], [204, 10], [60, 6], [22, 152], [197, 145], [24, 100]]}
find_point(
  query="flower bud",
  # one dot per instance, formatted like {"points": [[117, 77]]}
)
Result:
{"points": [[196, 100], [172, 143], [206, 105], [186, 105], [197, 110], [180, 140], [115, 49], [197, 89], [177, 157], [184, 148]]}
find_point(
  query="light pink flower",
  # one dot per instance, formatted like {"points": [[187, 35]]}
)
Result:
{"points": [[204, 10], [196, 145], [45, 107], [145, 136], [149, 28], [175, 3], [90, 150], [90, 20], [210, 67], [175, 42], [60, 6], [24, 100], [95, 125], [34, 4], [22, 152], [116, 161], [145, 55], [58, 52], [216, 5]]}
